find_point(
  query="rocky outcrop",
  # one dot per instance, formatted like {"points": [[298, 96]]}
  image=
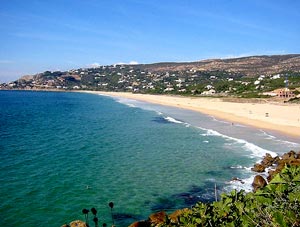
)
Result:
{"points": [[274, 166], [158, 218], [259, 168], [258, 182], [77, 223]]}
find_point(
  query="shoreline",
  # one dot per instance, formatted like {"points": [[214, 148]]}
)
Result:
{"points": [[280, 117]]}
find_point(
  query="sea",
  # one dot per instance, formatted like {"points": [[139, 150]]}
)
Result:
{"points": [[62, 152]]}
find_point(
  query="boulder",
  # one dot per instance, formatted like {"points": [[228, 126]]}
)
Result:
{"points": [[158, 218], [259, 168], [272, 173], [268, 160], [258, 182], [141, 224], [78, 223], [174, 216], [289, 156], [295, 162]]}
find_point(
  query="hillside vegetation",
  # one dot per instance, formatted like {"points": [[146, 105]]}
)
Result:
{"points": [[241, 77]]}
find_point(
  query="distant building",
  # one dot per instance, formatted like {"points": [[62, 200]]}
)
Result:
{"points": [[284, 93], [210, 92]]}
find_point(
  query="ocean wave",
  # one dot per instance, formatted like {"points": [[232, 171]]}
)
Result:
{"points": [[241, 184], [215, 119], [254, 149], [274, 138], [131, 105], [170, 119], [237, 167], [127, 102], [268, 136], [227, 122]]}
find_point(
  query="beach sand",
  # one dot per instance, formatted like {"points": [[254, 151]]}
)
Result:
{"points": [[280, 117]]}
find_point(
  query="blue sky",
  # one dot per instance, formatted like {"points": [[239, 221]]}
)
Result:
{"points": [[40, 35]]}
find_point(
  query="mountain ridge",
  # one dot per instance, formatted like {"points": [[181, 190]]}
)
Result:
{"points": [[262, 63]]}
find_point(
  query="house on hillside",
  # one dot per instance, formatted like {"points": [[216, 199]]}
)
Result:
{"points": [[209, 92], [284, 93]]}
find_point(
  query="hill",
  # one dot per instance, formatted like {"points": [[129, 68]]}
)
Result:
{"points": [[248, 66], [247, 76]]}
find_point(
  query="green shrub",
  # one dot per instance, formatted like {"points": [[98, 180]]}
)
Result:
{"points": [[278, 204]]}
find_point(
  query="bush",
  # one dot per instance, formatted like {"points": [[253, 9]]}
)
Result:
{"points": [[278, 204]]}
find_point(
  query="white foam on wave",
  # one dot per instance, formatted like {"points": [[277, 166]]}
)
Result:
{"points": [[274, 138], [244, 184], [227, 122], [131, 105], [237, 167], [224, 122], [210, 132], [127, 102], [254, 149], [268, 136], [170, 119]]}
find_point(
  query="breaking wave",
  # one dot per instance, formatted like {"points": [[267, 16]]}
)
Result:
{"points": [[254, 149]]}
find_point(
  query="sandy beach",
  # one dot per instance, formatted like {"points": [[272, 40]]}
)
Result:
{"points": [[280, 117]]}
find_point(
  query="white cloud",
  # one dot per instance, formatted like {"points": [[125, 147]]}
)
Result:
{"points": [[130, 63], [94, 65], [133, 63]]}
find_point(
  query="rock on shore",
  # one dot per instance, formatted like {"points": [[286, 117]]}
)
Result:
{"points": [[273, 166]]}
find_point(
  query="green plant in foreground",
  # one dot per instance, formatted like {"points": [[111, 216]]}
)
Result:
{"points": [[278, 204]]}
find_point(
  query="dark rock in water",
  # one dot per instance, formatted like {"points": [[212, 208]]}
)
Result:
{"points": [[124, 216], [161, 120], [258, 182], [204, 194], [164, 204], [237, 179], [188, 198], [196, 189]]}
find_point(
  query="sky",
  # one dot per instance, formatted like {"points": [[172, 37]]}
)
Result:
{"points": [[40, 35]]}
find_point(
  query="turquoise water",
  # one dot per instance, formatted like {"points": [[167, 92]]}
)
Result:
{"points": [[62, 152]]}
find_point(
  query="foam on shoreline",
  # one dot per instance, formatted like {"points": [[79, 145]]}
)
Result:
{"points": [[283, 118]]}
